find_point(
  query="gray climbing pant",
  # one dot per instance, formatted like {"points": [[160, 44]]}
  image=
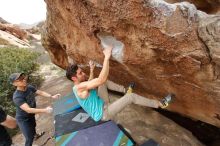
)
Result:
{"points": [[111, 109]]}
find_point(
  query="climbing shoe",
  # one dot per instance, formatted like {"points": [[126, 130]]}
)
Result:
{"points": [[130, 87], [166, 100]]}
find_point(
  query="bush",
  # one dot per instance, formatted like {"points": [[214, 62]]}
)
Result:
{"points": [[14, 60]]}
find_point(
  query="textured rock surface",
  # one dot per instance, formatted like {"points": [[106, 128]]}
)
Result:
{"points": [[11, 35], [162, 50], [14, 30], [209, 31], [209, 6], [35, 29], [3, 21], [7, 39], [18, 35]]}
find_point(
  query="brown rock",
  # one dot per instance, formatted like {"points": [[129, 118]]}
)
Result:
{"points": [[14, 30], [162, 52], [209, 6], [3, 21], [36, 29], [209, 32], [7, 39]]}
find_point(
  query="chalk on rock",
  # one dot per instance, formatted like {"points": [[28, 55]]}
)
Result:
{"points": [[118, 46]]}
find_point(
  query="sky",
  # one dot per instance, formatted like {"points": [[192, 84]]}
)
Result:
{"points": [[23, 11]]}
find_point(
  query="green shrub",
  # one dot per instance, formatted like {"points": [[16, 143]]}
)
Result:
{"points": [[14, 60]]}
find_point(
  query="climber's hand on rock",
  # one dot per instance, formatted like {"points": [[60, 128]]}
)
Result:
{"points": [[108, 52], [91, 65]]}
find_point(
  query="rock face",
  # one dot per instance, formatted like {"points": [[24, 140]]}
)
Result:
{"points": [[14, 30], [7, 39], [3, 21], [162, 51], [35, 28], [209, 6], [209, 32], [18, 35], [11, 35]]}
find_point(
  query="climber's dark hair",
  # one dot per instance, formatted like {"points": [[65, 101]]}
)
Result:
{"points": [[71, 71]]}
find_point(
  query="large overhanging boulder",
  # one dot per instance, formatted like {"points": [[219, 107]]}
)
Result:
{"points": [[159, 48]]}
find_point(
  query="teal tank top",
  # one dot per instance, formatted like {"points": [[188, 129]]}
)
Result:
{"points": [[93, 104]]}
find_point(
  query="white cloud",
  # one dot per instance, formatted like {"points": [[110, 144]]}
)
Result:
{"points": [[23, 11]]}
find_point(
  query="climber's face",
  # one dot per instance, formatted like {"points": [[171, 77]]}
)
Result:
{"points": [[80, 75]]}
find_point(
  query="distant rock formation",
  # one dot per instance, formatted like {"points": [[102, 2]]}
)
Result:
{"points": [[14, 30], [3, 21], [36, 29], [18, 35], [7, 39], [165, 48]]}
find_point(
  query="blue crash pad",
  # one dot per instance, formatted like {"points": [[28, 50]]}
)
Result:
{"points": [[65, 104], [73, 121], [105, 134]]}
